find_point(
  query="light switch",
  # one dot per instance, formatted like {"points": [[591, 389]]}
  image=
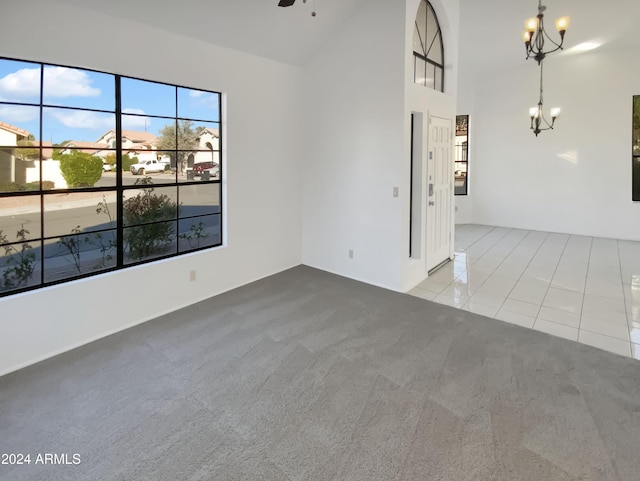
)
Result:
{"points": [[395, 192]]}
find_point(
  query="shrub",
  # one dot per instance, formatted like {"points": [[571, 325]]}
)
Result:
{"points": [[105, 242], [9, 187], [30, 186], [127, 162], [145, 213], [20, 261], [80, 169], [111, 160]]}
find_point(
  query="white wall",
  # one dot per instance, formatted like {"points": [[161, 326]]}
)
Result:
{"points": [[360, 98], [354, 148], [264, 146], [575, 179], [50, 171]]}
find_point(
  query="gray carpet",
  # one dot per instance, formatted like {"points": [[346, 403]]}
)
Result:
{"points": [[310, 376]]}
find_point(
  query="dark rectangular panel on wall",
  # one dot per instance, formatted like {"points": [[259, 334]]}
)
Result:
{"points": [[636, 179], [635, 151]]}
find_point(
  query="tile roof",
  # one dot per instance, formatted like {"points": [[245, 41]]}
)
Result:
{"points": [[13, 129], [139, 137], [88, 147], [214, 132]]}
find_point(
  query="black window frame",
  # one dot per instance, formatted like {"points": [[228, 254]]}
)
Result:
{"points": [[215, 215], [635, 150], [461, 158]]}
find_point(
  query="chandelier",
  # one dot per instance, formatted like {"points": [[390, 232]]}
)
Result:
{"points": [[534, 36]]}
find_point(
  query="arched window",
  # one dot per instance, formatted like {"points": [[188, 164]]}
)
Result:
{"points": [[428, 51]]}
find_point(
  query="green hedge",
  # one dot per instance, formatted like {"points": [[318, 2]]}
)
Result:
{"points": [[80, 169]]}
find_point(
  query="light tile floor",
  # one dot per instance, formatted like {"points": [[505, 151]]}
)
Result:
{"points": [[586, 289]]}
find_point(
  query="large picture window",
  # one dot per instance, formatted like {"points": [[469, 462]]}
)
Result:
{"points": [[99, 172]]}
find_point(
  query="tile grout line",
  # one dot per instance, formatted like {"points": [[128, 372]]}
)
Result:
{"points": [[525, 270], [450, 284], [518, 279], [502, 262], [551, 282], [624, 298], [480, 238], [585, 287], [492, 245]]}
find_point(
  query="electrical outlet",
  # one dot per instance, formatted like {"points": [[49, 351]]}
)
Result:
{"points": [[350, 253], [192, 276]]}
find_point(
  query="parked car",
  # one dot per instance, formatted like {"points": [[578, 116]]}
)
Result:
{"points": [[202, 166], [213, 172], [106, 167], [148, 166]]}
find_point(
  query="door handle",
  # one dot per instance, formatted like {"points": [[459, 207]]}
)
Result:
{"points": [[432, 202]]}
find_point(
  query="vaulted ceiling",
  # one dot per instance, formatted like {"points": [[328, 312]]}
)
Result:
{"points": [[258, 27], [489, 30]]}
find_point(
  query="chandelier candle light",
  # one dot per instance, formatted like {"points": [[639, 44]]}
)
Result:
{"points": [[534, 36]]}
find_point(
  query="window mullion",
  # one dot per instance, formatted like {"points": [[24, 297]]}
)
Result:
{"points": [[119, 190]]}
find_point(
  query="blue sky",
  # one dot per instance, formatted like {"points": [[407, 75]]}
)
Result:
{"points": [[83, 89]]}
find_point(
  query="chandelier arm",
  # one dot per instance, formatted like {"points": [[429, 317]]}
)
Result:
{"points": [[558, 45], [539, 40]]}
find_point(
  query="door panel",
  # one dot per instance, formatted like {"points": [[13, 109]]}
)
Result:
{"points": [[439, 192]]}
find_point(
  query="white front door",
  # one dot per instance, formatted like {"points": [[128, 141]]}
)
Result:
{"points": [[439, 192]]}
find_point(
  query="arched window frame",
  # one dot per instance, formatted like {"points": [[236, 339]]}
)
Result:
{"points": [[428, 48]]}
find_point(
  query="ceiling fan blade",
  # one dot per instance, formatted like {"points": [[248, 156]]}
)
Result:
{"points": [[286, 3]]}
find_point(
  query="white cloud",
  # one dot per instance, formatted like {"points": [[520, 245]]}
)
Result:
{"points": [[133, 111], [135, 122], [59, 82], [130, 122], [204, 99], [66, 82], [15, 113], [21, 84], [82, 119]]}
